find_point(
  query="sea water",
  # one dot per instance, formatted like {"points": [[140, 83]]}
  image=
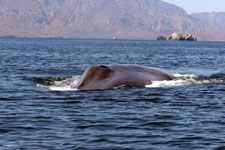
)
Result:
{"points": [[40, 107]]}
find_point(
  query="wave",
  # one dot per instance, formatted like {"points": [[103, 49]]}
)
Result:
{"points": [[69, 84]]}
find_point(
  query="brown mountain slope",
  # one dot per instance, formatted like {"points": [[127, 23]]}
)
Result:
{"points": [[213, 25], [136, 19]]}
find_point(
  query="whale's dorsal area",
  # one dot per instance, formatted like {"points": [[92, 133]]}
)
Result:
{"points": [[110, 77]]}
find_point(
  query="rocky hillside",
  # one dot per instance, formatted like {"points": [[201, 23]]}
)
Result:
{"points": [[213, 25], [136, 19]]}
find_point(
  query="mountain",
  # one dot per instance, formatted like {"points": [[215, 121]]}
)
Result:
{"points": [[213, 25], [131, 19]]}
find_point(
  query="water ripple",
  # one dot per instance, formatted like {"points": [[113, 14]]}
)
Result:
{"points": [[187, 113]]}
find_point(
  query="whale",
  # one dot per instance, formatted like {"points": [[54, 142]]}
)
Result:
{"points": [[120, 76]]}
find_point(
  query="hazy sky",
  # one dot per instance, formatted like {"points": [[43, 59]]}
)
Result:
{"points": [[192, 6]]}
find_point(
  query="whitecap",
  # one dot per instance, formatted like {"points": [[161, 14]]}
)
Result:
{"points": [[68, 84], [183, 80]]}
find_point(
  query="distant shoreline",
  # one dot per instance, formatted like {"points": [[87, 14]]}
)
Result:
{"points": [[119, 39], [7, 37]]}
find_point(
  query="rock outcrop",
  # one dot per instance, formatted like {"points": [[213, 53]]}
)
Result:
{"points": [[179, 37], [160, 37], [176, 36], [190, 37]]}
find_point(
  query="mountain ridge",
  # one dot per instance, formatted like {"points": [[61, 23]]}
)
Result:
{"points": [[127, 19]]}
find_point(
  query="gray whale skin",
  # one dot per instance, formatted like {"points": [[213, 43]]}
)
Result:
{"points": [[118, 76]]}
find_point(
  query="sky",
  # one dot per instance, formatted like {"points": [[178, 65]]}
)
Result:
{"points": [[194, 6]]}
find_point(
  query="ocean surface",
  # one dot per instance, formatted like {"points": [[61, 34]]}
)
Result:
{"points": [[40, 107]]}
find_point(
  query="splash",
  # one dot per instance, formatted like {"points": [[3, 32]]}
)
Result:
{"points": [[69, 84], [183, 80]]}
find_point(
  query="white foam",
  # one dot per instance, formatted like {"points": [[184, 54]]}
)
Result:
{"points": [[65, 88], [68, 84], [182, 80], [177, 75]]}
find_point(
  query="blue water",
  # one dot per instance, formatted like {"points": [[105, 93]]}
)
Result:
{"points": [[40, 107]]}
